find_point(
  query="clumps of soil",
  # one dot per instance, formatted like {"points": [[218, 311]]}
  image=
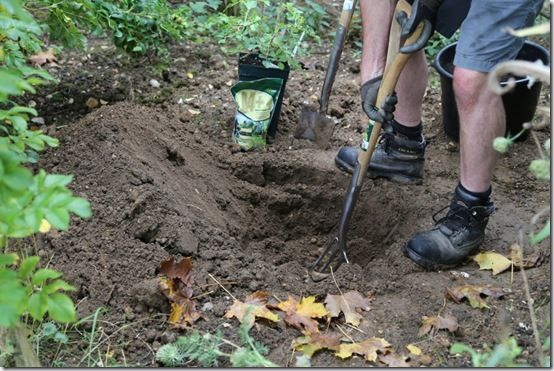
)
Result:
{"points": [[164, 182]]}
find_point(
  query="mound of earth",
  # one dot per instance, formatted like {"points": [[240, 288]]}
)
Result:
{"points": [[160, 187]]}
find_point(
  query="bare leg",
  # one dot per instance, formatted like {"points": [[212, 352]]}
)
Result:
{"points": [[413, 79], [482, 119]]}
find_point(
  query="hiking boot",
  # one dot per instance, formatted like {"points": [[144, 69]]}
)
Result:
{"points": [[395, 157], [455, 236]]}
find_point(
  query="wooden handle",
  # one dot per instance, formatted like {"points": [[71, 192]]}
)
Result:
{"points": [[347, 10], [394, 66]]}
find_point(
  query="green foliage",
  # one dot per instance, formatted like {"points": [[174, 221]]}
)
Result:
{"points": [[437, 42], [278, 31], [502, 355], [28, 291], [206, 350], [136, 26]]}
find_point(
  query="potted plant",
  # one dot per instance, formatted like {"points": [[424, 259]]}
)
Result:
{"points": [[268, 36]]}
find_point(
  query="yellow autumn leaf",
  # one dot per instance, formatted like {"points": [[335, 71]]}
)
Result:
{"points": [[253, 307], [300, 315], [491, 260], [44, 226], [308, 307], [415, 350], [367, 348], [190, 75]]}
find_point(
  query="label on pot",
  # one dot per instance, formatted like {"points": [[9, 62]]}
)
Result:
{"points": [[255, 107]]}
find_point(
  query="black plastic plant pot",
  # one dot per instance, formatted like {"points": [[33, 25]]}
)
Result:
{"points": [[520, 103], [252, 68]]}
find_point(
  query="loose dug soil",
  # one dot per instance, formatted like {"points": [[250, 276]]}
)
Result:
{"points": [[164, 180]]}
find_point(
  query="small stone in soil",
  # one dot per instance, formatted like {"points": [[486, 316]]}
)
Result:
{"points": [[38, 120], [154, 83]]}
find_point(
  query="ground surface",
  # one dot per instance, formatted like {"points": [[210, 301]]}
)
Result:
{"points": [[164, 180]]}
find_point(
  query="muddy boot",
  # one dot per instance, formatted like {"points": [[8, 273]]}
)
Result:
{"points": [[396, 158], [455, 236]]}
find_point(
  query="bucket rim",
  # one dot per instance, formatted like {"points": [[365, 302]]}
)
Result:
{"points": [[443, 72]]}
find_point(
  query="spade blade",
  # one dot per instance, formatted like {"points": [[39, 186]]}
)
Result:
{"points": [[314, 126]]}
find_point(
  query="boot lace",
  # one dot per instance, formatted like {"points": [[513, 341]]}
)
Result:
{"points": [[458, 217]]}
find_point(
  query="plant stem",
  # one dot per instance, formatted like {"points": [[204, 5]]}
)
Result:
{"points": [[530, 301], [27, 358]]}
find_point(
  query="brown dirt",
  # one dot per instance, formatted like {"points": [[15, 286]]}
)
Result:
{"points": [[164, 182]]}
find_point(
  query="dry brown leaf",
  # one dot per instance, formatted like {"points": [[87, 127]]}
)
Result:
{"points": [[300, 315], [394, 360], [255, 306], [367, 348], [492, 260], [475, 294], [177, 287], [42, 58], [348, 304], [529, 261], [311, 343], [92, 103], [430, 325]]}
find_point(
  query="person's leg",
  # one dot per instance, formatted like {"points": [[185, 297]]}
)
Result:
{"points": [[410, 89], [398, 156], [482, 118], [483, 44]]}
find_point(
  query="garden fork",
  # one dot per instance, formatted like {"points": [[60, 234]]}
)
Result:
{"points": [[336, 253]]}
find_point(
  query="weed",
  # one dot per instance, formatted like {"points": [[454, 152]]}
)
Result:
{"points": [[206, 350]]}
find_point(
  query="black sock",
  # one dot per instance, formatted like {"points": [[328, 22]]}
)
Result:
{"points": [[483, 196], [411, 132]]}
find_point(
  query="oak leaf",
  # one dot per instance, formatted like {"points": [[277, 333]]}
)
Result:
{"points": [[475, 294], [255, 306], [367, 348], [348, 304], [313, 342], [492, 260], [300, 315], [176, 285], [394, 360], [430, 325]]}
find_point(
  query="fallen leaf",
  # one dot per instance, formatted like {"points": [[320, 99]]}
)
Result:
{"points": [[255, 306], [193, 111], [190, 75], [425, 359], [347, 303], [42, 58], [491, 260], [311, 343], [183, 313], [475, 294], [92, 103], [430, 325], [415, 350], [181, 270], [529, 261], [394, 360], [367, 348], [177, 287], [229, 83], [300, 315]]}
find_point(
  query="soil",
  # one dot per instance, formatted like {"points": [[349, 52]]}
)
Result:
{"points": [[164, 179]]}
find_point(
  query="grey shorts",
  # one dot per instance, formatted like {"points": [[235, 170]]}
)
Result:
{"points": [[483, 43]]}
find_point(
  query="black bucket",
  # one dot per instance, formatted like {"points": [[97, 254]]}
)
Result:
{"points": [[520, 103], [255, 71]]}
